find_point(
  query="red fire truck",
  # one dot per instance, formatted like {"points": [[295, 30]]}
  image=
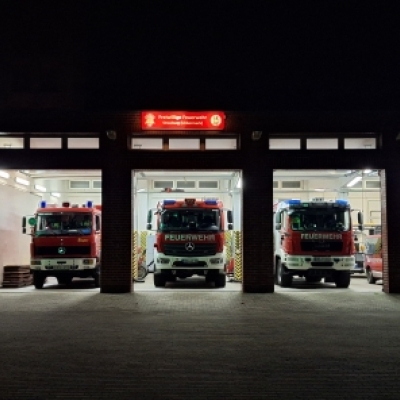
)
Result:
{"points": [[315, 240], [190, 240], [66, 242]]}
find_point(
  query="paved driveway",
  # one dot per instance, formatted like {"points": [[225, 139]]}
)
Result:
{"points": [[180, 344]]}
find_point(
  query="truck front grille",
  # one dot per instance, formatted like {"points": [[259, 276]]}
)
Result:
{"points": [[69, 251], [200, 250], [321, 246]]}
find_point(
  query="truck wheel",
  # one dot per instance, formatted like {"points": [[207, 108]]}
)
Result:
{"points": [[64, 280], [220, 281], [159, 280], [370, 278], [342, 279], [283, 280], [38, 280], [97, 279]]}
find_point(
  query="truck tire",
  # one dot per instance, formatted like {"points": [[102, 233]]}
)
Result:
{"points": [[220, 281], [370, 278], [342, 279], [283, 280], [159, 280], [97, 279], [38, 280]]}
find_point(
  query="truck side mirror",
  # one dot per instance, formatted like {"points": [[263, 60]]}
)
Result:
{"points": [[229, 216], [278, 218], [148, 227], [278, 226], [360, 220], [230, 227], [149, 217]]}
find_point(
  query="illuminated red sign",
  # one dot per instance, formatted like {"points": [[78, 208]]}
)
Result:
{"points": [[183, 120]]}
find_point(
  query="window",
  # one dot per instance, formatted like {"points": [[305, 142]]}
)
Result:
{"points": [[79, 184], [291, 184], [322, 144], [360, 143], [284, 144], [208, 185], [221, 144], [11, 143], [96, 184], [147, 143], [184, 144], [163, 184], [83, 143], [186, 184], [45, 143]]}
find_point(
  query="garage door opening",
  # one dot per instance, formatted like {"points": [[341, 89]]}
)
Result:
{"points": [[186, 230], [47, 222], [327, 230]]}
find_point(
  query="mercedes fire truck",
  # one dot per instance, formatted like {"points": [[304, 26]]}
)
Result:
{"points": [[190, 240], [66, 242], [315, 240]]}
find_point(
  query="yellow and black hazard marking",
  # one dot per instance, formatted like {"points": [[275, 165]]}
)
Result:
{"points": [[237, 272]]}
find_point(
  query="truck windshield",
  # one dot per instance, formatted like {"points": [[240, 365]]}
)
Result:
{"points": [[320, 220], [51, 224], [190, 219]]}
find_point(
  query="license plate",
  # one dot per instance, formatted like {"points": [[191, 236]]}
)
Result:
{"points": [[61, 267], [190, 261], [321, 259]]}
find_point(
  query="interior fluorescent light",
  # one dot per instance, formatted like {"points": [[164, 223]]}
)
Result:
{"points": [[239, 183], [140, 190], [55, 194], [354, 181], [40, 188], [21, 181], [319, 190], [367, 171], [4, 174]]}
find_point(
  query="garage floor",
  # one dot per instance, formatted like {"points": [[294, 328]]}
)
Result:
{"points": [[358, 284], [320, 343]]}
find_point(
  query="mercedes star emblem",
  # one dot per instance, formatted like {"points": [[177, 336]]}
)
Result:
{"points": [[61, 250], [189, 246]]}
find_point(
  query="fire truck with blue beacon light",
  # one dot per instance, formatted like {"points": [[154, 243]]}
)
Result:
{"points": [[313, 239], [190, 240], [66, 242]]}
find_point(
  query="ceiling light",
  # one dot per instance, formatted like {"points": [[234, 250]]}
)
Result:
{"points": [[319, 190], [55, 194], [367, 171], [40, 188], [21, 181], [354, 181], [239, 183], [4, 174]]}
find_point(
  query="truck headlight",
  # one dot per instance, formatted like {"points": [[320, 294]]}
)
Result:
{"points": [[35, 262], [163, 260], [216, 260], [88, 262]]}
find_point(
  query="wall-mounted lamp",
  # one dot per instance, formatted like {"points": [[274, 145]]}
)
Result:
{"points": [[112, 135], [256, 135]]}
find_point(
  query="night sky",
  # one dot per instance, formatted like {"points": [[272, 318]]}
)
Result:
{"points": [[225, 54]]}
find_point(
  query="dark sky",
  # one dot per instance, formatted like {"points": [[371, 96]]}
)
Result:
{"points": [[228, 54]]}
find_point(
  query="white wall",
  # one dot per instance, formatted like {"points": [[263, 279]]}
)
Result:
{"points": [[14, 245]]}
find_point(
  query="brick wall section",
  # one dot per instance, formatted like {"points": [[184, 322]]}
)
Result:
{"points": [[390, 229], [117, 207], [384, 232], [258, 274]]}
